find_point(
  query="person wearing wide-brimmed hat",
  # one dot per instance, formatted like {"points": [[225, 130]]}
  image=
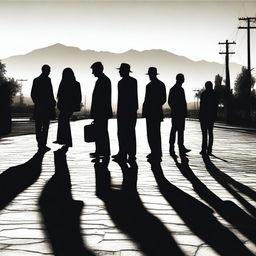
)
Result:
{"points": [[127, 106], [153, 112]]}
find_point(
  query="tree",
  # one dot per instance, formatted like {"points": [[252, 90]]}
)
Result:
{"points": [[8, 89], [220, 89], [244, 84], [244, 95]]}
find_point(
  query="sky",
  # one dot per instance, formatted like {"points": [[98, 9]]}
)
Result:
{"points": [[187, 28]]}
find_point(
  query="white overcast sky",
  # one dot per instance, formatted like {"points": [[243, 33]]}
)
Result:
{"points": [[189, 28]]}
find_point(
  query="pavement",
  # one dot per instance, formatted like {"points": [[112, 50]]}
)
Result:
{"points": [[189, 207]]}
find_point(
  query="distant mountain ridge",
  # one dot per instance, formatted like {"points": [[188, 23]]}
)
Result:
{"points": [[58, 56]]}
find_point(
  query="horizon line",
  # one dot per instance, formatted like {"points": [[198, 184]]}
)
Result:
{"points": [[123, 52]]}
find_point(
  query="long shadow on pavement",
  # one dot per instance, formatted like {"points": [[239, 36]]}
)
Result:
{"points": [[129, 214], [227, 209], [17, 178], [199, 217], [61, 213], [231, 185]]}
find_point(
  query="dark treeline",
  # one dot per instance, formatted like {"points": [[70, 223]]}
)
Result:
{"points": [[237, 106]]}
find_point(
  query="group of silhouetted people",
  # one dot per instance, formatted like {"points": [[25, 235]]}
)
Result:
{"points": [[69, 101]]}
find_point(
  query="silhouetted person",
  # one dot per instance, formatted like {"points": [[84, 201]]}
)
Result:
{"points": [[69, 100], [178, 105], [44, 111], [5, 109], [152, 110], [127, 106], [101, 110], [207, 117]]}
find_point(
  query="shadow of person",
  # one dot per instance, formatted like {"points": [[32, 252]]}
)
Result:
{"points": [[225, 208], [129, 214], [231, 185], [61, 213], [17, 178], [199, 217]]}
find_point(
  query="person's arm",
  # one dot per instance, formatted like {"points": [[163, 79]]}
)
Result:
{"points": [[136, 96], [34, 92], [52, 96], [163, 94], [170, 99]]}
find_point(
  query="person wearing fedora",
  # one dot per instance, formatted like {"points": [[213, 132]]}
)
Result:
{"points": [[152, 110], [127, 106], [101, 111], [178, 105]]}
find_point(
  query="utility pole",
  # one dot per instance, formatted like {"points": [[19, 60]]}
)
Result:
{"points": [[228, 91], [248, 27], [248, 20], [21, 94]]}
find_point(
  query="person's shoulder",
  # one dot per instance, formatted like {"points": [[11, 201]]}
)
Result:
{"points": [[106, 78], [134, 80], [103, 79], [161, 83], [36, 79], [173, 88]]}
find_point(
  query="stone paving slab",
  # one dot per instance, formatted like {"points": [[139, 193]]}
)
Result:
{"points": [[22, 231]]}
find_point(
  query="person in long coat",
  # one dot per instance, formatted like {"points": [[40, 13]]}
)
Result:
{"points": [[153, 112], [178, 104], [127, 106], [44, 109], [207, 117], [101, 111], [69, 101]]}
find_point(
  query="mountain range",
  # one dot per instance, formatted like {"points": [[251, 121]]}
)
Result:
{"points": [[59, 56]]}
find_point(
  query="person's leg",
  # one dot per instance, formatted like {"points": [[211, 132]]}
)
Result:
{"points": [[158, 141], [64, 130], [44, 132], [204, 138], [149, 134], [131, 138], [210, 130], [38, 127], [181, 139], [121, 133], [103, 138], [172, 136], [68, 130]]}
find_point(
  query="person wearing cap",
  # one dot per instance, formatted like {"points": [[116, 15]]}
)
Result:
{"points": [[152, 110], [178, 105], [101, 111], [44, 110], [127, 106]]}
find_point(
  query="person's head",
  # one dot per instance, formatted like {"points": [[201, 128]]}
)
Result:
{"points": [[97, 68], [68, 75], [152, 73], [208, 85], [180, 79], [46, 70], [124, 70]]}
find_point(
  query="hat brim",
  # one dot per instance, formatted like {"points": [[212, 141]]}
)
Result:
{"points": [[120, 68]]}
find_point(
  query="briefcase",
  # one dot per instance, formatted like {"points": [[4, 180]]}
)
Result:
{"points": [[89, 133]]}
